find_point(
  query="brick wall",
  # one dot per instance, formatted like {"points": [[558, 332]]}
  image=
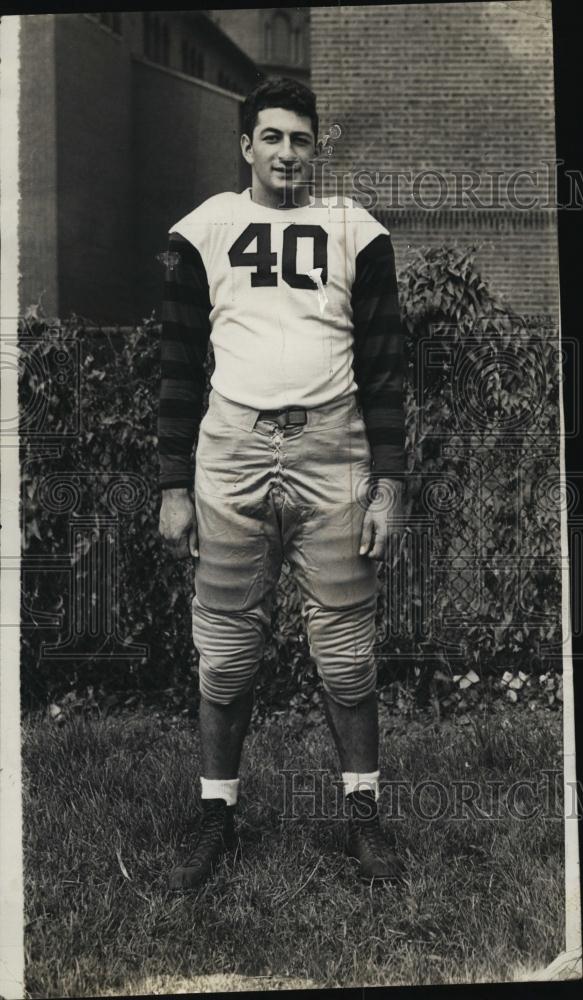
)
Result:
{"points": [[519, 262], [449, 88]]}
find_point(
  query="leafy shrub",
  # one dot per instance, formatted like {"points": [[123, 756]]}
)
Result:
{"points": [[483, 464], [479, 561]]}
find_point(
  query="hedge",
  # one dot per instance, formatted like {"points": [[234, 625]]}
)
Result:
{"points": [[470, 600]]}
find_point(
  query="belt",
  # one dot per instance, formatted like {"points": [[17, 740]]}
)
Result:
{"points": [[293, 416]]}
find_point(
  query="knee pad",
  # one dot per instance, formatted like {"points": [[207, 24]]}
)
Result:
{"points": [[230, 648], [342, 643]]}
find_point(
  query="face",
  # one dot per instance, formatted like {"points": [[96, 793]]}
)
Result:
{"points": [[280, 153]]}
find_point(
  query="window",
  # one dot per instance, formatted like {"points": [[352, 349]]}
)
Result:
{"points": [[157, 40], [165, 36], [147, 29], [281, 37], [297, 49], [111, 20], [192, 60], [152, 37], [156, 47]]}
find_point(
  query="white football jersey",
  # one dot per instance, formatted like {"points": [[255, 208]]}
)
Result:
{"points": [[280, 285]]}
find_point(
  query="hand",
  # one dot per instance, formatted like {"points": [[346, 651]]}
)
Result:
{"points": [[178, 523], [379, 519]]}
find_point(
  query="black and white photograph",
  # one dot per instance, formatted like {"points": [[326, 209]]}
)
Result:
{"points": [[289, 548]]}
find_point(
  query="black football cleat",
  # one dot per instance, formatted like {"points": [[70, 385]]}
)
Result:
{"points": [[367, 844], [216, 836]]}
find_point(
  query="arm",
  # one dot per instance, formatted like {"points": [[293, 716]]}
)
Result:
{"points": [[379, 368], [184, 343], [185, 336]]}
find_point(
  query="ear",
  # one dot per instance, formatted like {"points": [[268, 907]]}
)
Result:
{"points": [[246, 148]]}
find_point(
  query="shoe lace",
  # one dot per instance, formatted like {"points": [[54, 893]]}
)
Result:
{"points": [[210, 831], [371, 832]]}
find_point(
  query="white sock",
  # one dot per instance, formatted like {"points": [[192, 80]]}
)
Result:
{"points": [[354, 782], [220, 788]]}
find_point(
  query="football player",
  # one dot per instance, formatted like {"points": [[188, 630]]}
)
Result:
{"points": [[298, 296]]}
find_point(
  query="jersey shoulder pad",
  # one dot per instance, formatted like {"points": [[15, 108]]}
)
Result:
{"points": [[359, 215], [195, 226], [366, 228]]}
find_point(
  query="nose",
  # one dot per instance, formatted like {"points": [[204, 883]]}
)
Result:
{"points": [[286, 153]]}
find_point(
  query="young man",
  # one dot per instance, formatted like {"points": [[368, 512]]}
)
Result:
{"points": [[299, 298]]}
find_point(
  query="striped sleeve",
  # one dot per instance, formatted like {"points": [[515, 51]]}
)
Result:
{"points": [[378, 355], [184, 344]]}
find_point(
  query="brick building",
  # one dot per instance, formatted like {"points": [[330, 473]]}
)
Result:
{"points": [[128, 120], [276, 38], [451, 88]]}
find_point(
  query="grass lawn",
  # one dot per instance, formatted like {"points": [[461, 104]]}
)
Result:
{"points": [[107, 802]]}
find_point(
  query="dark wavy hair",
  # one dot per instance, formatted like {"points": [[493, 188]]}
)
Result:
{"points": [[280, 92]]}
